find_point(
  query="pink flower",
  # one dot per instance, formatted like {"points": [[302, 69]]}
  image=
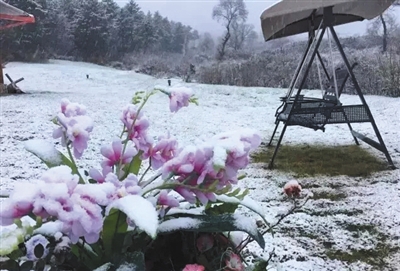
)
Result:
{"points": [[164, 150], [194, 267], [74, 127], [179, 97], [292, 188], [129, 186], [57, 195], [136, 126], [166, 200], [100, 177], [9, 211], [218, 160], [72, 109], [234, 263], [115, 154]]}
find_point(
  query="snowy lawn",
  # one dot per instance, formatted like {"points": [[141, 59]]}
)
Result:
{"points": [[354, 225]]}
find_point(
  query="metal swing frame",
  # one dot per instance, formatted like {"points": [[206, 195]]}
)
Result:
{"points": [[316, 113]]}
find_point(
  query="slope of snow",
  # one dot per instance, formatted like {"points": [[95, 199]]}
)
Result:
{"points": [[302, 240]]}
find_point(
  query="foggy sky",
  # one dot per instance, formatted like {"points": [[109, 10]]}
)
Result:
{"points": [[197, 14]]}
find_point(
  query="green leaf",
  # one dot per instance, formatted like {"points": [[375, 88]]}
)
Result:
{"points": [[244, 201], [46, 152], [26, 266], [213, 223], [40, 265], [223, 208], [136, 207], [49, 155], [261, 266], [131, 261], [114, 223], [9, 265], [134, 165]]}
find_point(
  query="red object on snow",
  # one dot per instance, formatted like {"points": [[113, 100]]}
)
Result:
{"points": [[14, 15]]}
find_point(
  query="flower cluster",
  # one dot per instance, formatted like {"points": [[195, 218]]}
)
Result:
{"points": [[212, 164], [79, 206]]}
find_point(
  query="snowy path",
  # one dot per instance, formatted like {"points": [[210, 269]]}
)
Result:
{"points": [[366, 217]]}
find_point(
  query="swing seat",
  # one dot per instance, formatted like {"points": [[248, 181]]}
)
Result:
{"points": [[315, 113], [319, 18]]}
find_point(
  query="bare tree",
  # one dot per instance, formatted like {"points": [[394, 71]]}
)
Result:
{"points": [[206, 44], [384, 19], [228, 12], [241, 33]]}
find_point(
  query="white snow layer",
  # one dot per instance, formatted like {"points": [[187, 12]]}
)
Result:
{"points": [[303, 239]]}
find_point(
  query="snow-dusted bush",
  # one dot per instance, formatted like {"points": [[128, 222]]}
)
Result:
{"points": [[377, 73], [123, 217], [269, 69]]}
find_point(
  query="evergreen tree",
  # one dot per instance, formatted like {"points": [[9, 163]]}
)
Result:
{"points": [[111, 15], [91, 32], [130, 21], [25, 43]]}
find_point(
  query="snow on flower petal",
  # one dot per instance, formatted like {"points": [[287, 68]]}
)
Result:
{"points": [[70, 109], [167, 200], [292, 188], [136, 125], [234, 263], [179, 97], [164, 150], [115, 153], [19, 204], [74, 127]]}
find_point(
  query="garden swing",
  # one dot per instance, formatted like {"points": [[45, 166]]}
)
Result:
{"points": [[319, 18]]}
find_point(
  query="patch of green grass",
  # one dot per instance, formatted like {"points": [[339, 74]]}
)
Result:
{"points": [[321, 212], [305, 160], [333, 196], [371, 229], [374, 256]]}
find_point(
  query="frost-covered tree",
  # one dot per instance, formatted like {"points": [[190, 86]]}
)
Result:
{"points": [[91, 31], [385, 23], [111, 15], [229, 12], [130, 21], [147, 34], [26, 42], [242, 33], [206, 44]]}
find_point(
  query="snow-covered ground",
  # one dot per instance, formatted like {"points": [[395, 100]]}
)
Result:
{"points": [[366, 218]]}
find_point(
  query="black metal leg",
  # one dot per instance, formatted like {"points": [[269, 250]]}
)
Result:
{"points": [[296, 99], [349, 125], [273, 134], [360, 94], [271, 163]]}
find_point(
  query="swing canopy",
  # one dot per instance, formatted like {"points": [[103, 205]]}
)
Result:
{"points": [[11, 16], [291, 17]]}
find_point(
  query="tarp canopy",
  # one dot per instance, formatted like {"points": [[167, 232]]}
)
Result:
{"points": [[291, 17], [15, 15]]}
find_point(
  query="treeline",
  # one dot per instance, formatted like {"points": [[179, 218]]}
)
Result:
{"points": [[92, 30]]}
